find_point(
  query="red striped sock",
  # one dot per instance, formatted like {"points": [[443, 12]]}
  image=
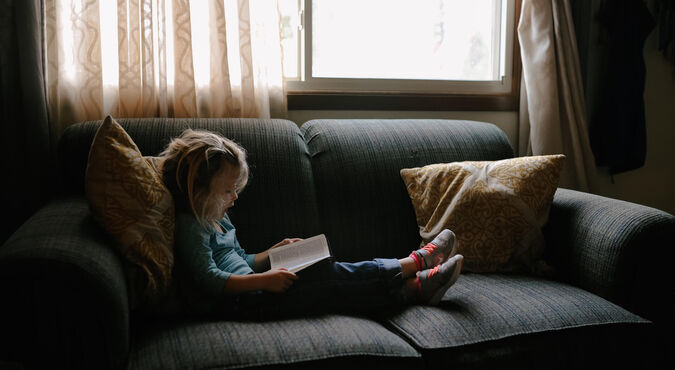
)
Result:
{"points": [[418, 260]]}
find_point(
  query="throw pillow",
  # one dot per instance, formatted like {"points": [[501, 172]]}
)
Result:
{"points": [[496, 209], [129, 199]]}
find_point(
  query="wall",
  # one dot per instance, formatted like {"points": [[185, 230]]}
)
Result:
{"points": [[652, 185]]}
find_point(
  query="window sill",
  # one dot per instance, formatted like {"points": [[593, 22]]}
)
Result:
{"points": [[394, 101]]}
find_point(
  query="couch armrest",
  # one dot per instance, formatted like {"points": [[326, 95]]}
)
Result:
{"points": [[65, 299], [619, 250]]}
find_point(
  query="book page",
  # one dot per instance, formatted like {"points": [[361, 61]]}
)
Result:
{"points": [[299, 255]]}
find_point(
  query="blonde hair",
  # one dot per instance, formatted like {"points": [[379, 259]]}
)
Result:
{"points": [[191, 161]]}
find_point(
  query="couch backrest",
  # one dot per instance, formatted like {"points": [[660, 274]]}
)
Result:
{"points": [[279, 200], [363, 203], [350, 189]]}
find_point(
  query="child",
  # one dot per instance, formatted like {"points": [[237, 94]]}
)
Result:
{"points": [[205, 173]]}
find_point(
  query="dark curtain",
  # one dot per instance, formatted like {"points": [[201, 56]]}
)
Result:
{"points": [[664, 12], [611, 36], [27, 162]]}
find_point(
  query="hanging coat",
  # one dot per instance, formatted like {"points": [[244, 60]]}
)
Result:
{"points": [[615, 84]]}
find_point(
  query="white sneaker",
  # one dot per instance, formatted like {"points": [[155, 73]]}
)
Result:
{"points": [[438, 251], [434, 282]]}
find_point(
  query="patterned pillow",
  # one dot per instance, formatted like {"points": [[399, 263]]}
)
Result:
{"points": [[496, 209], [129, 199]]}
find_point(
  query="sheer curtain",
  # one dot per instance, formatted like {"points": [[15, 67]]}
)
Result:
{"points": [[162, 58], [552, 114]]}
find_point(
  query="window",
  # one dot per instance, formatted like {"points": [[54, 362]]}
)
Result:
{"points": [[428, 54]]}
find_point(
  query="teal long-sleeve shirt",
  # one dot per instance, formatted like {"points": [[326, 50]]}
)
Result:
{"points": [[208, 257]]}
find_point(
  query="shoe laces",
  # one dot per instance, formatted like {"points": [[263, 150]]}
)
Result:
{"points": [[430, 248], [433, 271]]}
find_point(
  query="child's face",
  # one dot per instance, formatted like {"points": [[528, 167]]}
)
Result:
{"points": [[223, 189]]}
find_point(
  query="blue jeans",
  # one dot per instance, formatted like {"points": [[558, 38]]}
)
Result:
{"points": [[328, 286]]}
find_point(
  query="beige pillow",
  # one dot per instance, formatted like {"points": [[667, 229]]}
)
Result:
{"points": [[129, 199], [496, 209]]}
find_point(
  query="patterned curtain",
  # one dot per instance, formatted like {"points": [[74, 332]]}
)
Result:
{"points": [[162, 58]]}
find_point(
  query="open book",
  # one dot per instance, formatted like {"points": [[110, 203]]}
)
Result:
{"points": [[299, 255]]}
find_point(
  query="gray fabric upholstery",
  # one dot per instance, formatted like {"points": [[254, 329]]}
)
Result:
{"points": [[61, 258], [296, 343], [67, 303], [487, 311], [280, 195], [487, 307], [619, 250], [365, 209]]}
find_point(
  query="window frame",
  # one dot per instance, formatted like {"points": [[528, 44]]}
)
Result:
{"points": [[464, 96]]}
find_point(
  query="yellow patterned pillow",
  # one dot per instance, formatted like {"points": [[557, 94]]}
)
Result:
{"points": [[496, 209], [129, 199]]}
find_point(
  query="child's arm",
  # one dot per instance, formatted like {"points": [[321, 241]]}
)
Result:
{"points": [[262, 260], [276, 281]]}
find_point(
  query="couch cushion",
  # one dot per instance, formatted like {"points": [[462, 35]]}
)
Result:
{"points": [[496, 208], [279, 198], [364, 206], [129, 200], [296, 343], [509, 318]]}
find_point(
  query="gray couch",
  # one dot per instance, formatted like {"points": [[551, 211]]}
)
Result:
{"points": [[67, 303]]}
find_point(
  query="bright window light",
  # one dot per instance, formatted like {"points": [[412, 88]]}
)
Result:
{"points": [[290, 41], [396, 40], [199, 26], [403, 39]]}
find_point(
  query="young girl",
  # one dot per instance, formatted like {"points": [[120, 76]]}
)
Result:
{"points": [[205, 173]]}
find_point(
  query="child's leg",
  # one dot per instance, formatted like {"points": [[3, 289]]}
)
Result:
{"points": [[362, 287], [365, 286], [408, 267]]}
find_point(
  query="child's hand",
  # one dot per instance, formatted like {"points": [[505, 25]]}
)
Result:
{"points": [[262, 260], [286, 241], [278, 280]]}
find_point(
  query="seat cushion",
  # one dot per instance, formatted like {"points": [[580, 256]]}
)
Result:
{"points": [[506, 319], [330, 341]]}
